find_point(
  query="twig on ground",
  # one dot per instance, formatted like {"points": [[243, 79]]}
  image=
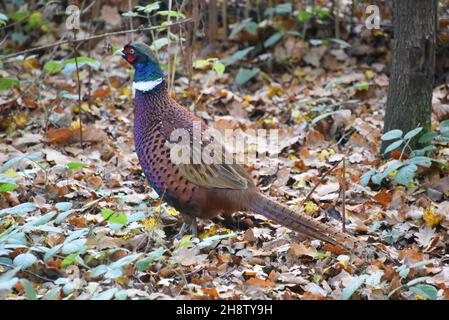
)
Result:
{"points": [[319, 182]]}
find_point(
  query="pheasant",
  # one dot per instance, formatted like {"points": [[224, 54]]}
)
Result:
{"points": [[199, 190]]}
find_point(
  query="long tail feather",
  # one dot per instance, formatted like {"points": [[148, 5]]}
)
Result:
{"points": [[300, 223]]}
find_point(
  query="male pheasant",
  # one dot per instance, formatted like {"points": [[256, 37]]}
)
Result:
{"points": [[199, 190]]}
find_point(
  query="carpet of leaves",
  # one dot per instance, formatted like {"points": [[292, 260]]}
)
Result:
{"points": [[84, 224]]}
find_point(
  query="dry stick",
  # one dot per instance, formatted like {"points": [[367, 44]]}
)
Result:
{"points": [[98, 36], [319, 182], [10, 266], [75, 51]]}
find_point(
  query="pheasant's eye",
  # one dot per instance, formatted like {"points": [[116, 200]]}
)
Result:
{"points": [[132, 51]]}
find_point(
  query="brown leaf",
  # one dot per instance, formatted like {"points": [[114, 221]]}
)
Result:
{"points": [[260, 282], [383, 197]]}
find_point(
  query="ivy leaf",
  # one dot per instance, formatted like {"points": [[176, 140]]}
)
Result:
{"points": [[392, 135]]}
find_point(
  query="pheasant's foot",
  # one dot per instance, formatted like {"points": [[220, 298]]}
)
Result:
{"points": [[192, 227]]}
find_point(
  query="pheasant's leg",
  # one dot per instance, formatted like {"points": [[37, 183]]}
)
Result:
{"points": [[189, 223]]}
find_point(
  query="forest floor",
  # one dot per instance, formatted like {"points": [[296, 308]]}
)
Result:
{"points": [[82, 223]]}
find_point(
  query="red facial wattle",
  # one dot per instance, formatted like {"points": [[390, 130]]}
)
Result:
{"points": [[129, 52], [130, 58]]}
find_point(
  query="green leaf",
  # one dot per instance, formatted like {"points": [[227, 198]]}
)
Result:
{"points": [[30, 292], [8, 83], [365, 178], [171, 14], [393, 146], [53, 294], [63, 206], [236, 56], [130, 14], [304, 16], [70, 64], [219, 68], [63, 215], [44, 219], [69, 260], [244, 75], [105, 295], [392, 135], [201, 63], [52, 251], [124, 261], [114, 217], [350, 289], [426, 290], [149, 7], [53, 66], [76, 165], [251, 27], [362, 86], [421, 161], [144, 264], [427, 137], [273, 39], [160, 43], [19, 209], [76, 246], [283, 8], [444, 126], [6, 187], [18, 15], [98, 271], [412, 133], [3, 19], [405, 174], [24, 260]]}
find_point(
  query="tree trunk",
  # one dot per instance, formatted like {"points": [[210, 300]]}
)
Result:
{"points": [[409, 102]]}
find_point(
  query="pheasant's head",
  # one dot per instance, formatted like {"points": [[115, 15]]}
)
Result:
{"points": [[147, 67]]}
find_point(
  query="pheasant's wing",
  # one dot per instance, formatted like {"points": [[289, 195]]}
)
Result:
{"points": [[216, 175]]}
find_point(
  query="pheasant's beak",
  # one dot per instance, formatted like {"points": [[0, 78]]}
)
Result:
{"points": [[120, 52]]}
